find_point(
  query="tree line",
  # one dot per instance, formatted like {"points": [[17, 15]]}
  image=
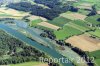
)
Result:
{"points": [[55, 8]]}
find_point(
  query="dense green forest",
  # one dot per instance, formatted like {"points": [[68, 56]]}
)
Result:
{"points": [[55, 7], [14, 51]]}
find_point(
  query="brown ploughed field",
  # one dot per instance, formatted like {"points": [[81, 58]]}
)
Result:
{"points": [[84, 42]]}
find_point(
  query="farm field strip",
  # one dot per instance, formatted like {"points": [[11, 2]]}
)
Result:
{"points": [[59, 21], [66, 32], [77, 26], [74, 16], [48, 25], [87, 43], [12, 12]]}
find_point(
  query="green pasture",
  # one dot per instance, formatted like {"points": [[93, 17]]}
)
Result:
{"points": [[93, 19], [96, 33], [27, 64], [59, 21], [35, 22], [66, 32]]}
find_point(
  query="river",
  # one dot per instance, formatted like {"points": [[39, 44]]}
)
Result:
{"points": [[38, 46]]}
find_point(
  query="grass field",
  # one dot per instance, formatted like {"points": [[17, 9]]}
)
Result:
{"points": [[96, 33], [96, 55], [80, 22], [66, 32], [93, 19], [59, 21], [35, 22], [84, 12], [96, 2], [97, 62], [28, 64], [92, 2], [80, 25]]}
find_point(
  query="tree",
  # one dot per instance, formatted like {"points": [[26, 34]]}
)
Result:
{"points": [[93, 11], [98, 19]]}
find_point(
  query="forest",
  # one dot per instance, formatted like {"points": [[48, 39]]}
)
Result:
{"points": [[14, 51], [55, 8]]}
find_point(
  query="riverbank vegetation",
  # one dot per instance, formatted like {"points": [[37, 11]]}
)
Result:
{"points": [[14, 51]]}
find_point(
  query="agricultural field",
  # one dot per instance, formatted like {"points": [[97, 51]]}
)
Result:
{"points": [[73, 16], [96, 33], [97, 61], [4, 14], [85, 6], [87, 43], [93, 19], [66, 32], [12, 12], [33, 17], [59, 21], [89, 3], [48, 25], [84, 12], [35, 22], [30, 64], [79, 24], [96, 55]]}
